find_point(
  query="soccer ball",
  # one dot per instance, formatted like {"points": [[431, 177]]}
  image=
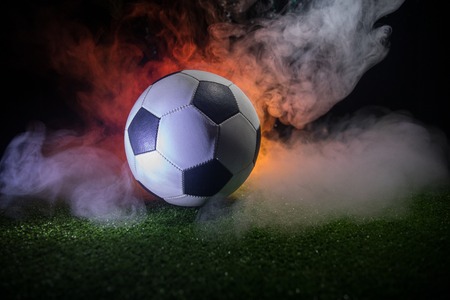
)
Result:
{"points": [[190, 136]]}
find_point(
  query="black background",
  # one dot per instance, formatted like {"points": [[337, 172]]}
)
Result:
{"points": [[413, 77]]}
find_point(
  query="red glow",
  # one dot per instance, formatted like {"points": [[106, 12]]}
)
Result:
{"points": [[112, 67]]}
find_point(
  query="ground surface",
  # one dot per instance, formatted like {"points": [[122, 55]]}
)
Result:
{"points": [[171, 255]]}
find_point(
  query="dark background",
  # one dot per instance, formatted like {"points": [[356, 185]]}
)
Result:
{"points": [[413, 77]]}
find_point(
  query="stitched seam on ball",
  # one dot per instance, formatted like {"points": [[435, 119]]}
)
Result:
{"points": [[206, 116], [234, 96], [250, 163], [176, 109], [248, 121], [201, 164], [216, 142], [182, 72], [177, 197], [199, 80], [240, 110], [145, 97], [142, 102], [182, 180], [196, 88], [134, 163], [195, 92], [168, 160]]}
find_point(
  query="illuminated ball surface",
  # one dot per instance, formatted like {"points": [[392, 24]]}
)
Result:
{"points": [[190, 136]]}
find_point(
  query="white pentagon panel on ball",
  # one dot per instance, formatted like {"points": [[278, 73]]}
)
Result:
{"points": [[186, 137], [170, 93], [137, 105], [245, 106], [158, 175], [187, 200], [129, 154], [207, 76], [237, 135]]}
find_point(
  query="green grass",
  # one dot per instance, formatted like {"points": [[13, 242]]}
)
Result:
{"points": [[170, 255]]}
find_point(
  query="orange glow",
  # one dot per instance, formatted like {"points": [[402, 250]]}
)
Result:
{"points": [[113, 69]]}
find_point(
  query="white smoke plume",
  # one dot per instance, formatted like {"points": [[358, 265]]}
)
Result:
{"points": [[363, 167], [308, 59], [93, 182]]}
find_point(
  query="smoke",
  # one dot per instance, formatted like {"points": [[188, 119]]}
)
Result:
{"points": [[294, 59], [93, 182], [310, 58], [364, 166]]}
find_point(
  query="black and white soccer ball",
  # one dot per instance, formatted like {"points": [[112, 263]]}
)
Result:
{"points": [[190, 136]]}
